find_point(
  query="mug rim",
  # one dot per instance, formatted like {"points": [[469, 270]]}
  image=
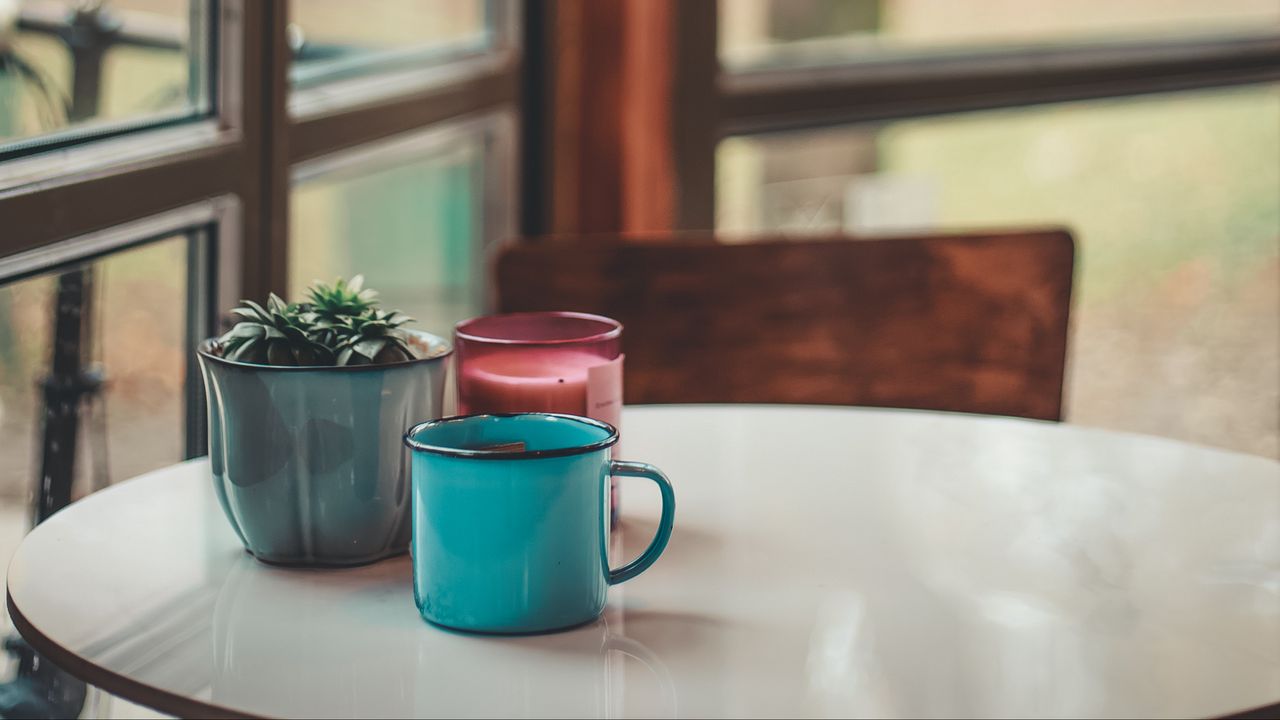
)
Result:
{"points": [[608, 441]]}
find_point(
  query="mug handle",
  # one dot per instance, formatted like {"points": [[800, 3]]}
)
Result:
{"points": [[660, 538]]}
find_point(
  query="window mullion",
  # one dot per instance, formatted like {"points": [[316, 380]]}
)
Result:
{"points": [[264, 179]]}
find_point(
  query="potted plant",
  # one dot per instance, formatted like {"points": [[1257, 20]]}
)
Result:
{"points": [[307, 404]]}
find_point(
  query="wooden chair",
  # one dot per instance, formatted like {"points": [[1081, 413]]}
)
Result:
{"points": [[970, 323]]}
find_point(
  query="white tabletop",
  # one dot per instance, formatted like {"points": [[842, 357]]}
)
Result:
{"points": [[826, 562]]}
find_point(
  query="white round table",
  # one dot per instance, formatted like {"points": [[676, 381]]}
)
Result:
{"points": [[826, 562]]}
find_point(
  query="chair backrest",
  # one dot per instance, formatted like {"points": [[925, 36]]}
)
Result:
{"points": [[970, 323]]}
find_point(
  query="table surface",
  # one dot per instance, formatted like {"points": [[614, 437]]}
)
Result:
{"points": [[826, 561]]}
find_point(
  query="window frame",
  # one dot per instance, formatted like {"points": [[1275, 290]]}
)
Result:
{"points": [[922, 84], [248, 145], [49, 18], [212, 243], [228, 173], [114, 182], [709, 103], [499, 202]]}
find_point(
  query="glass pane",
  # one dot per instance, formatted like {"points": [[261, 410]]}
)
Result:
{"points": [[335, 39], [1175, 205], [410, 223], [94, 67], [130, 358], [797, 32]]}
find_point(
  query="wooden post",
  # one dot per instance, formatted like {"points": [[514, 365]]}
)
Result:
{"points": [[613, 163]]}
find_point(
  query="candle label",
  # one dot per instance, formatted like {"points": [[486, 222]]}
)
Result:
{"points": [[604, 392]]}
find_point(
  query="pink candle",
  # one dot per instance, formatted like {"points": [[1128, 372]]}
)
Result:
{"points": [[527, 381]]}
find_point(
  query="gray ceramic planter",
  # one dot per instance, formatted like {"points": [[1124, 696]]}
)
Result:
{"points": [[308, 462]]}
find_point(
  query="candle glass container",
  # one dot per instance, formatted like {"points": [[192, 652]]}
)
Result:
{"points": [[557, 362]]}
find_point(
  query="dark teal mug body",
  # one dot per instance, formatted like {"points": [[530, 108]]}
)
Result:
{"points": [[510, 518]]}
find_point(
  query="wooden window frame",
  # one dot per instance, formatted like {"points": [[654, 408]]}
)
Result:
{"points": [[980, 79], [708, 103], [246, 149]]}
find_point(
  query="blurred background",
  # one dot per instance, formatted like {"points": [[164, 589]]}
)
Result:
{"points": [[160, 159]]}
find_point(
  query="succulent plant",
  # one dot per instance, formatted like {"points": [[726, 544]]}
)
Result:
{"points": [[341, 299], [373, 337], [278, 334], [341, 325]]}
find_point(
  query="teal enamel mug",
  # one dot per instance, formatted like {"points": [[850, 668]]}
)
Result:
{"points": [[510, 520]]}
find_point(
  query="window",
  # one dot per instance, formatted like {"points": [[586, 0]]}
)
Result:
{"points": [[1174, 201], [414, 215], [891, 59], [334, 39], [108, 335], [161, 159], [70, 71]]}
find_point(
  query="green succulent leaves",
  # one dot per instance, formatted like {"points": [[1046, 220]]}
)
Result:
{"points": [[372, 337], [340, 325], [341, 299], [278, 334]]}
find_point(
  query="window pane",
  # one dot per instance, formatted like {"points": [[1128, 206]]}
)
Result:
{"points": [[798, 32], [65, 66], [1175, 205], [334, 39], [409, 219], [136, 335]]}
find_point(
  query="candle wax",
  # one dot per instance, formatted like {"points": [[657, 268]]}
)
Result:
{"points": [[526, 381]]}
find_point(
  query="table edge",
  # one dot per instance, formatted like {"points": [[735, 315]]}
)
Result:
{"points": [[185, 707], [1257, 713], [96, 675]]}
